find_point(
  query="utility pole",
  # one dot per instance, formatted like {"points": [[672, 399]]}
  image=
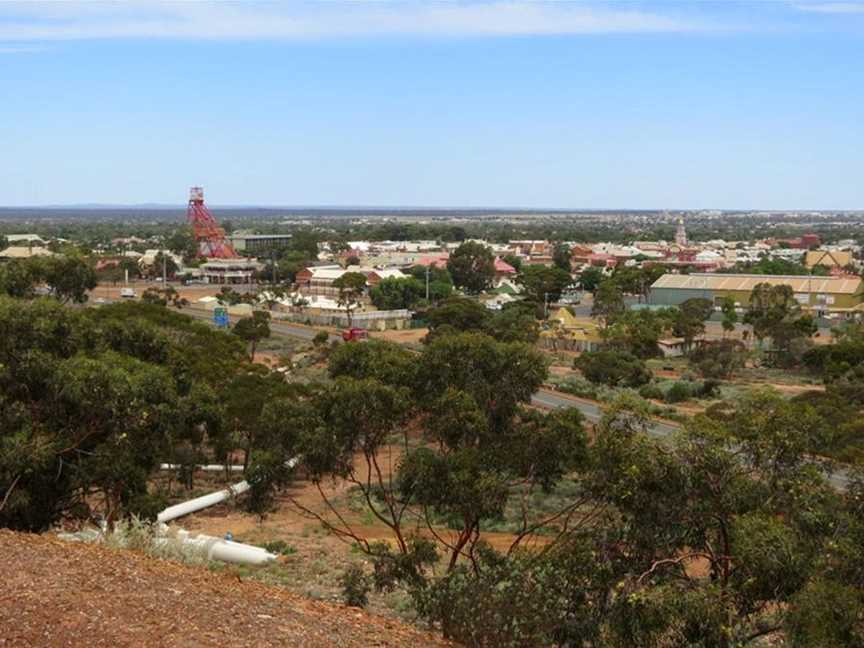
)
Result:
{"points": [[427, 282], [546, 305], [275, 269], [164, 270]]}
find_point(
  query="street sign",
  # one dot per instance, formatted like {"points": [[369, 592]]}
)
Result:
{"points": [[220, 317]]}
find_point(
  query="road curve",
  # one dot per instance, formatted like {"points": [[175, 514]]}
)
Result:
{"points": [[546, 398], [593, 411]]}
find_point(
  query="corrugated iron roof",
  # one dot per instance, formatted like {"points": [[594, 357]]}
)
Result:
{"points": [[747, 282], [827, 258], [23, 252]]}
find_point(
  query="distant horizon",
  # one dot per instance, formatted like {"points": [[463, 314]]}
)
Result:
{"points": [[422, 208]]}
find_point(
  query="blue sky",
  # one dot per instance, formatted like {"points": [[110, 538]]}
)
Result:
{"points": [[535, 104]]}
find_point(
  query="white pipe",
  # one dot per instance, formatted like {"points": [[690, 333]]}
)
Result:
{"points": [[204, 467], [225, 550], [190, 506], [210, 546], [237, 552]]}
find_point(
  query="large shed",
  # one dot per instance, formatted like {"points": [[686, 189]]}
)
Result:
{"points": [[831, 294]]}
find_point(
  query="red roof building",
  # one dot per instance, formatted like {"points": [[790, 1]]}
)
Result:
{"points": [[439, 260], [503, 268]]}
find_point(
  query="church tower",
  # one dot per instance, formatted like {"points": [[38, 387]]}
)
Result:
{"points": [[681, 233]]}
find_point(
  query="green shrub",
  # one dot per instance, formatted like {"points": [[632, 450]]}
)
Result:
{"points": [[279, 547], [708, 389], [147, 506], [652, 391], [678, 393], [578, 387], [511, 602], [613, 368], [355, 586], [718, 360]]}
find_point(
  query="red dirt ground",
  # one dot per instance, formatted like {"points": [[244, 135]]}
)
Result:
{"points": [[59, 593]]}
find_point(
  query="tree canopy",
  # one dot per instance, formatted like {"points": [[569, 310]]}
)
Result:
{"points": [[590, 278], [609, 302], [440, 282], [253, 329], [561, 257], [472, 266], [775, 313], [690, 317], [67, 278], [513, 323], [732, 531], [397, 293], [352, 287], [92, 400], [543, 284], [613, 368]]}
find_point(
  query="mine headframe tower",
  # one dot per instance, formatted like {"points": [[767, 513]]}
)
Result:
{"points": [[209, 237]]}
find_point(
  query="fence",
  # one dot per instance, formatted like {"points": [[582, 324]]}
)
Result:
{"points": [[372, 320]]}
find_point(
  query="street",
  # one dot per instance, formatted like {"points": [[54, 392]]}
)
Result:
{"points": [[545, 398]]}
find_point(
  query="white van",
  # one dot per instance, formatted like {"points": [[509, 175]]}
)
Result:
{"points": [[127, 293]]}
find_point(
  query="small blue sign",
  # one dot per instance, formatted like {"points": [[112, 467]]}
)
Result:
{"points": [[220, 317]]}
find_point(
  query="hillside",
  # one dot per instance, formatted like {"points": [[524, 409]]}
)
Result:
{"points": [[59, 593]]}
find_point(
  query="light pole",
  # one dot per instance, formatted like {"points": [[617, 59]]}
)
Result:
{"points": [[546, 305]]}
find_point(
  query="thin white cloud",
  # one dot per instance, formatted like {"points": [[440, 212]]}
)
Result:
{"points": [[833, 8], [20, 49], [38, 21]]}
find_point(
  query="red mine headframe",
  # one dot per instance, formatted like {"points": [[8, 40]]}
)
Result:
{"points": [[209, 237]]}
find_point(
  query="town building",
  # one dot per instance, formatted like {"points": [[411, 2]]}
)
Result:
{"points": [[255, 244], [570, 333], [318, 280], [149, 257], [804, 242], [22, 252], [531, 248], [837, 296], [230, 271], [831, 259], [376, 276], [503, 270], [26, 240]]}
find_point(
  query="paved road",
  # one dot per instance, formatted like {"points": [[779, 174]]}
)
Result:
{"points": [[839, 478], [543, 398], [546, 398], [276, 326], [592, 411]]}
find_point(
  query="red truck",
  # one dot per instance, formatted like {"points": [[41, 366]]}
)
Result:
{"points": [[354, 334]]}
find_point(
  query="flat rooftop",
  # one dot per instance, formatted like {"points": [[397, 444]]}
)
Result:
{"points": [[747, 282]]}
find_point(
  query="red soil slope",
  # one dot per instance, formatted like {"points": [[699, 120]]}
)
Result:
{"points": [[58, 593]]}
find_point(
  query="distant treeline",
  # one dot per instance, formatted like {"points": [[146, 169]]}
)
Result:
{"points": [[92, 226]]}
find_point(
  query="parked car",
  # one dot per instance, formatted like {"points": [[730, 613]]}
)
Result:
{"points": [[355, 334]]}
